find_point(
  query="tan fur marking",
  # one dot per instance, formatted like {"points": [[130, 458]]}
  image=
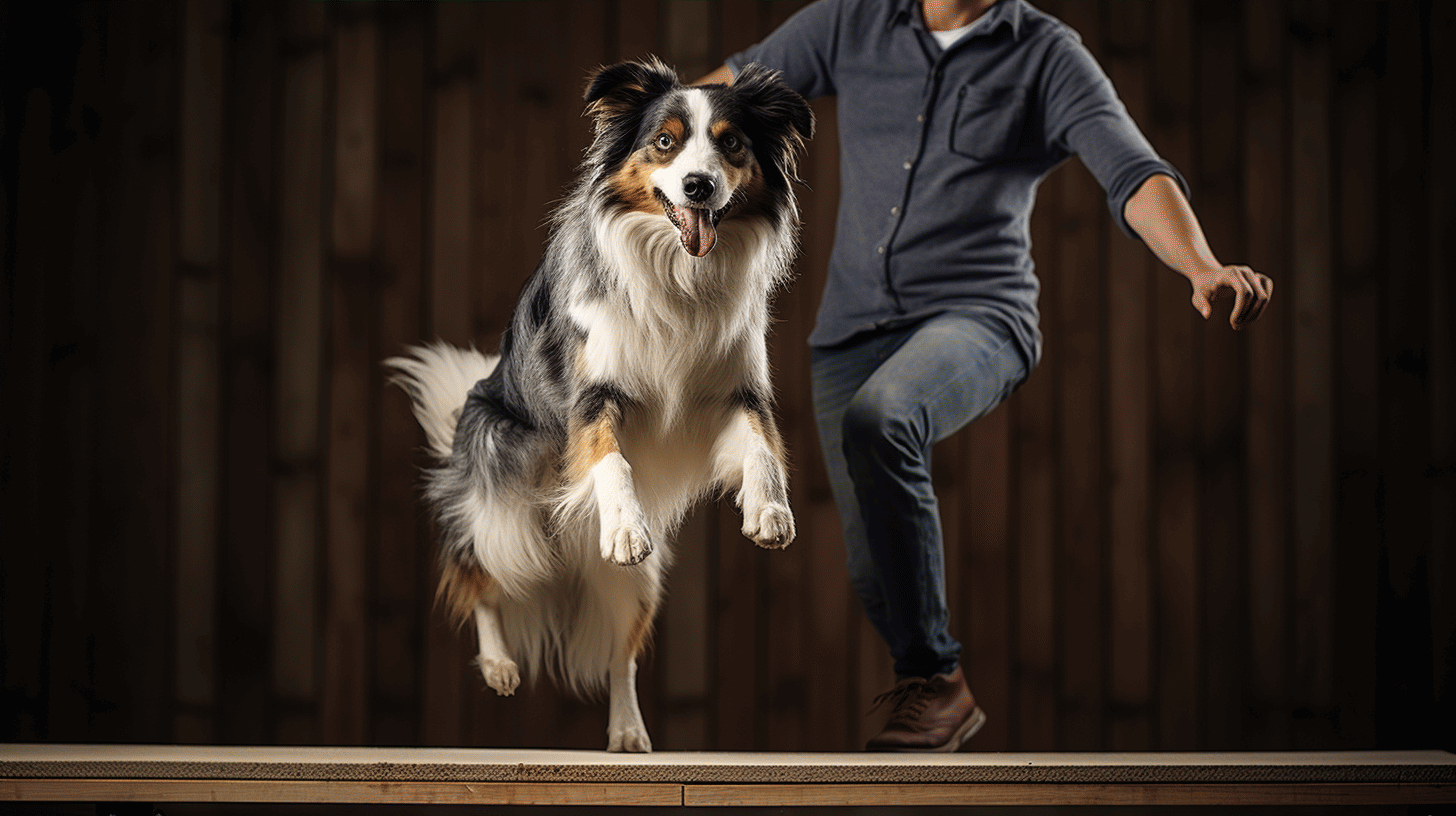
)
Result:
{"points": [[674, 126], [633, 184], [751, 192], [588, 444], [642, 629], [765, 427], [745, 179], [462, 587]]}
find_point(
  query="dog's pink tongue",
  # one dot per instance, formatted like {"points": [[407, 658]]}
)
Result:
{"points": [[698, 233]]}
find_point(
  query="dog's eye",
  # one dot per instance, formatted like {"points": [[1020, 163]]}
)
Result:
{"points": [[664, 141], [730, 142]]}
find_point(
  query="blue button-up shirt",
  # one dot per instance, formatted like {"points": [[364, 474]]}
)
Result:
{"points": [[941, 152]]}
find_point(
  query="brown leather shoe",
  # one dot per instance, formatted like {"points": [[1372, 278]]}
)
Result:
{"points": [[938, 714]]}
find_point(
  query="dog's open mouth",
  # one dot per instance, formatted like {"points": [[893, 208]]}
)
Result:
{"points": [[697, 228]]}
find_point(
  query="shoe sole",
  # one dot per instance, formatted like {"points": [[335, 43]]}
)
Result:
{"points": [[957, 740], [973, 724]]}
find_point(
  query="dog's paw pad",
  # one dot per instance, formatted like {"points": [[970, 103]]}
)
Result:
{"points": [[626, 546], [501, 675], [630, 740], [771, 528]]}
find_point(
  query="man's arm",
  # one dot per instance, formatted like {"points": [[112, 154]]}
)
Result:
{"points": [[722, 75], [1162, 217]]}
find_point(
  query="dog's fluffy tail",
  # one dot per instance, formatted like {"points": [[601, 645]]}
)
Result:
{"points": [[437, 377]]}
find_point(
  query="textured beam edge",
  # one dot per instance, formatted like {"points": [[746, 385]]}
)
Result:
{"points": [[1236, 794], [787, 795], [501, 765], [267, 791]]}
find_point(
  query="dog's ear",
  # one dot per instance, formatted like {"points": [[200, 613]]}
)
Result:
{"points": [[617, 98], [777, 109], [627, 86], [773, 102]]}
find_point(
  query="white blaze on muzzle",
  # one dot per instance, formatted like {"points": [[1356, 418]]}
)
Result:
{"points": [[693, 211]]}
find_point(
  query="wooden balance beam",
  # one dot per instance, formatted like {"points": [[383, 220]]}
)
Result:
{"points": [[176, 773]]}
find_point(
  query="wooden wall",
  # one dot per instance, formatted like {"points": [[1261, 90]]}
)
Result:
{"points": [[220, 216]]}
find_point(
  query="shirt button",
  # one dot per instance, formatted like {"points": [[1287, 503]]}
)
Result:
{"points": [[894, 211], [880, 250], [907, 164], [920, 118]]}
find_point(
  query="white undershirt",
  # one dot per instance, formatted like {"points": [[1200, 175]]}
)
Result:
{"points": [[951, 37]]}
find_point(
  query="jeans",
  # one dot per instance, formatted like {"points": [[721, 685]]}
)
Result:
{"points": [[881, 403]]}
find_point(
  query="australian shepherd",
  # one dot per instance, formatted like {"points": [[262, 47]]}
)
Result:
{"points": [[632, 381]]}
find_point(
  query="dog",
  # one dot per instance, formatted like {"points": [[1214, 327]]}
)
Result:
{"points": [[632, 381]]}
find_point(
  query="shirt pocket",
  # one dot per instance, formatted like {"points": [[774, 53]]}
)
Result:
{"points": [[988, 122]]}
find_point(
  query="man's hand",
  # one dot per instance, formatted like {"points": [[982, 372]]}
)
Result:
{"points": [[1251, 291], [1160, 215]]}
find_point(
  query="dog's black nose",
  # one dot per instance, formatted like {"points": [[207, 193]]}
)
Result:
{"points": [[698, 187]]}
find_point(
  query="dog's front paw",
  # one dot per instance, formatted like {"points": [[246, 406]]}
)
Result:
{"points": [[501, 675], [632, 739], [626, 545], [772, 527]]}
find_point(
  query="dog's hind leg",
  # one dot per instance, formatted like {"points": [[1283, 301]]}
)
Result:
{"points": [[625, 729], [468, 590], [621, 607], [495, 662]]}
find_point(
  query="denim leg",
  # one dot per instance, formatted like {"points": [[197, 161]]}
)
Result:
{"points": [[927, 382], [836, 376]]}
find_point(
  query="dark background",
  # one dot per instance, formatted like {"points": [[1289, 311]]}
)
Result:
{"points": [[218, 217]]}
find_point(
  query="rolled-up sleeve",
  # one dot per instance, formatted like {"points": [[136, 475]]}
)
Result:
{"points": [[1085, 117], [802, 49]]}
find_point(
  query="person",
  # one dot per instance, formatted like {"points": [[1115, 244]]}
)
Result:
{"points": [[950, 114]]}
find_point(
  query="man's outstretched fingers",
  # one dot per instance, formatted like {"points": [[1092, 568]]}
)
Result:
{"points": [[1266, 290], [1243, 297]]}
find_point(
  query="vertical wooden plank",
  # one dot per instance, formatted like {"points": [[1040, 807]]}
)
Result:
{"points": [[1035, 569], [299, 376], [986, 575], [1360, 271], [245, 625], [351, 361], [1129, 399], [132, 510], [67, 423], [1176, 516], [27, 170], [1312, 300], [1222, 523], [451, 199], [447, 317], [1442, 358], [686, 43], [196, 489], [1404, 675], [1033, 449], [402, 564], [636, 30], [1267, 469], [1080, 549], [833, 711]]}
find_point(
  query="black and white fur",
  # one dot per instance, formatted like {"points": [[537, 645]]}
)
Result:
{"points": [[632, 381]]}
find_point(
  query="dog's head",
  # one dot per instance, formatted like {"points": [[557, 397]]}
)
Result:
{"points": [[696, 155]]}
